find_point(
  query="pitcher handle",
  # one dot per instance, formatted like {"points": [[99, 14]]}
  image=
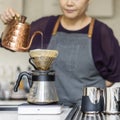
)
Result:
{"points": [[19, 79]]}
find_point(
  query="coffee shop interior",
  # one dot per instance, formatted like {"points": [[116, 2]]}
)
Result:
{"points": [[13, 63]]}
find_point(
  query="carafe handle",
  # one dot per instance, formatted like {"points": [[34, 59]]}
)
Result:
{"points": [[19, 79]]}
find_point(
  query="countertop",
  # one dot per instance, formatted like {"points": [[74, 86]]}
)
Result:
{"points": [[8, 113], [12, 114]]}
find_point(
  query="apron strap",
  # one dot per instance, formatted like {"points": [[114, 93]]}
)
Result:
{"points": [[56, 25], [90, 32]]}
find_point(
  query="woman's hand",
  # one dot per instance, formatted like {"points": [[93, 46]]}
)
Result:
{"points": [[8, 15], [108, 83]]}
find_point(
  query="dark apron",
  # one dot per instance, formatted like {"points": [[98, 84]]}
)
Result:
{"points": [[74, 66]]}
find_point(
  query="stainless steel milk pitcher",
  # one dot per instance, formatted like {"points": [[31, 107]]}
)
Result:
{"points": [[91, 106], [112, 100], [92, 100]]}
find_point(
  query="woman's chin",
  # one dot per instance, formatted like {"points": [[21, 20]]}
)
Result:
{"points": [[70, 16]]}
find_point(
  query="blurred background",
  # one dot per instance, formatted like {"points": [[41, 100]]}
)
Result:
{"points": [[12, 63]]}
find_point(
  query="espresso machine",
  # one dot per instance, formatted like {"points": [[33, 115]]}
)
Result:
{"points": [[42, 79]]}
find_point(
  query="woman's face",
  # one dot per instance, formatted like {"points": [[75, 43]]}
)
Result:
{"points": [[73, 8]]}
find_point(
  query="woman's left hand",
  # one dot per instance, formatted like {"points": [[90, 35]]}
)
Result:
{"points": [[108, 83]]}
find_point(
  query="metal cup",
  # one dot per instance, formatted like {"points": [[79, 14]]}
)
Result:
{"points": [[92, 100], [112, 100]]}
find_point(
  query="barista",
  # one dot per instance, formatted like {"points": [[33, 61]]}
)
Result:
{"points": [[89, 53]]}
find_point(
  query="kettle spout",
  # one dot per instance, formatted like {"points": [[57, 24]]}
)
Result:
{"points": [[31, 40]]}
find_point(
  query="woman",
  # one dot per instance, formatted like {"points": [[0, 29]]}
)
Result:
{"points": [[89, 53]]}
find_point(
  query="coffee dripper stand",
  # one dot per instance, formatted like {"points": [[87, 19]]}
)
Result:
{"points": [[41, 80]]}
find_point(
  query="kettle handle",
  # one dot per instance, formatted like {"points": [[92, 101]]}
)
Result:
{"points": [[30, 61], [31, 40], [19, 79]]}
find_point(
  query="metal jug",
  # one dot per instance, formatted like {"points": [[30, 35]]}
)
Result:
{"points": [[112, 117], [112, 100], [16, 34], [42, 86], [92, 104], [92, 100]]}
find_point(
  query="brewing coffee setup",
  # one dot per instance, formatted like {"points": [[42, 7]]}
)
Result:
{"points": [[15, 38], [42, 92], [42, 79]]}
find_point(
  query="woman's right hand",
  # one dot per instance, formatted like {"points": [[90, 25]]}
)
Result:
{"points": [[8, 15]]}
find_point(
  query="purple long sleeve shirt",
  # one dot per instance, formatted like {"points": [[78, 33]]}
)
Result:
{"points": [[105, 47]]}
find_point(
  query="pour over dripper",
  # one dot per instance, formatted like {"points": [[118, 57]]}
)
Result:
{"points": [[41, 59]]}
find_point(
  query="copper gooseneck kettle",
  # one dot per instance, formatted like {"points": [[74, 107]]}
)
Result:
{"points": [[16, 35]]}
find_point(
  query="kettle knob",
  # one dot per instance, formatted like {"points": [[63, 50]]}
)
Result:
{"points": [[23, 19]]}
